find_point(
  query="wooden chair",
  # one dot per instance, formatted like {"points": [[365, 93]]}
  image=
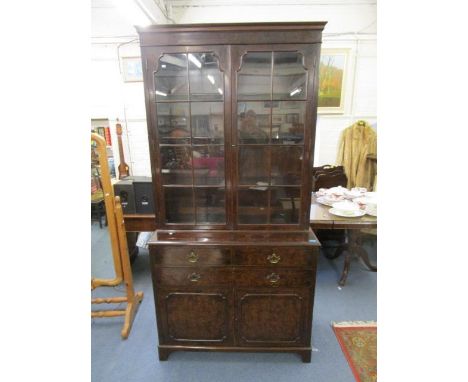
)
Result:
{"points": [[326, 169], [331, 179], [326, 177]]}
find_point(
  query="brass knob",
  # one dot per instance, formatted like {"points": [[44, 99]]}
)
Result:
{"points": [[192, 257], [274, 258], [273, 278], [194, 277]]}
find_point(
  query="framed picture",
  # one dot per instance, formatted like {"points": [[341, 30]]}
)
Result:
{"points": [[131, 69], [332, 80]]}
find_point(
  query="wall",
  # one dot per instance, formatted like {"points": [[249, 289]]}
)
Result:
{"points": [[351, 25]]}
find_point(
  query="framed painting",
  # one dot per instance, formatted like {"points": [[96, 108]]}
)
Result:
{"points": [[131, 69], [332, 80]]}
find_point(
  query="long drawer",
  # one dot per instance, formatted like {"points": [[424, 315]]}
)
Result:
{"points": [[279, 257], [193, 276], [268, 277], [188, 256]]}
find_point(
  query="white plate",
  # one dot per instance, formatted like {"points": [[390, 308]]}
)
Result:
{"points": [[324, 201], [356, 214]]}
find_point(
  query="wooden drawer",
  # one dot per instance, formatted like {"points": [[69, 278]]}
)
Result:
{"points": [[267, 277], [190, 256], [279, 257], [188, 276]]}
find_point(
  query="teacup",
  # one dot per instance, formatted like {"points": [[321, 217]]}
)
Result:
{"points": [[371, 207]]}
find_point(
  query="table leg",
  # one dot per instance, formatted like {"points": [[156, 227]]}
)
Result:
{"points": [[365, 258], [353, 246], [355, 240]]}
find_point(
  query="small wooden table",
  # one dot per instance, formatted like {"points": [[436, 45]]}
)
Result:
{"points": [[320, 218]]}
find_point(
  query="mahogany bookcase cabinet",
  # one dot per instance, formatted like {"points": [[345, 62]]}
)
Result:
{"points": [[231, 111]]}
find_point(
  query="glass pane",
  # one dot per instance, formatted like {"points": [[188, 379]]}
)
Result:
{"points": [[286, 165], [173, 122], [176, 165], [254, 77], [285, 205], [206, 80], [289, 76], [207, 122], [288, 119], [210, 205], [179, 205], [208, 165], [171, 78], [253, 122], [253, 206], [253, 165]]}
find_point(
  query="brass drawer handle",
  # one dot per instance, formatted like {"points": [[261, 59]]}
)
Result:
{"points": [[192, 257], [274, 258], [194, 277], [273, 278]]}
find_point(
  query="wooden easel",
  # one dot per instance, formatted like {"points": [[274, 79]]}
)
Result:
{"points": [[123, 271]]}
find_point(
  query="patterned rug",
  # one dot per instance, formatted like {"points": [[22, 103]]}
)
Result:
{"points": [[358, 341]]}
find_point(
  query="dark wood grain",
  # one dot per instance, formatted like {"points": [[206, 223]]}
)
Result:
{"points": [[233, 286], [271, 318], [140, 222], [187, 256], [274, 257], [231, 34], [195, 316], [273, 278], [193, 277]]}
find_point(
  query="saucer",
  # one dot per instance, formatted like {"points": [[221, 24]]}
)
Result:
{"points": [[356, 214], [324, 201], [371, 213]]}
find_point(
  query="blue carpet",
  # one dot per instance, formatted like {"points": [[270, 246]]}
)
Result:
{"points": [[135, 359]]}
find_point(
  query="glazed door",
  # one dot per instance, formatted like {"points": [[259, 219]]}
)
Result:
{"points": [[273, 103], [272, 317], [188, 102]]}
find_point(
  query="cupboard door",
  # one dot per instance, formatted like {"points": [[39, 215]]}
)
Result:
{"points": [[190, 130], [195, 317], [268, 317], [272, 92]]}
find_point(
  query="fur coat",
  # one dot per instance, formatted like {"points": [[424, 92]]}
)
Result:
{"points": [[355, 144]]}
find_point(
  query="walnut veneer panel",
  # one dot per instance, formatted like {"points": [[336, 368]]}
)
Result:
{"points": [[187, 256], [277, 257]]}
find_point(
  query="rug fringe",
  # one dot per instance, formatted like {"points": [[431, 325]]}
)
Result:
{"points": [[353, 323]]}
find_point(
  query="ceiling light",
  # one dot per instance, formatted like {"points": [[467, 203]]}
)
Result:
{"points": [[295, 91], [161, 93], [210, 78], [192, 58]]}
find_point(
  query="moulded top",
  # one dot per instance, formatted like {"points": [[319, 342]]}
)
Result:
{"points": [[234, 26], [231, 33]]}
